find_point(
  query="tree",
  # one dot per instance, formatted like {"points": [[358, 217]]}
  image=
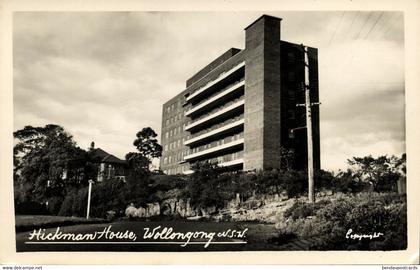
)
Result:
{"points": [[381, 172], [147, 144], [205, 185], [287, 158], [138, 165], [42, 155]]}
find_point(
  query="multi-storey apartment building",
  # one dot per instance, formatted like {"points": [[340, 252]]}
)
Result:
{"points": [[240, 110]]}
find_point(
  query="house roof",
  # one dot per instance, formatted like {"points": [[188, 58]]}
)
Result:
{"points": [[105, 157]]}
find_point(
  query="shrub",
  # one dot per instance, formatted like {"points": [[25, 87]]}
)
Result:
{"points": [[294, 182], [75, 203], [347, 182], [364, 213], [299, 210], [323, 179], [54, 204], [112, 194], [207, 187], [30, 208], [302, 209]]}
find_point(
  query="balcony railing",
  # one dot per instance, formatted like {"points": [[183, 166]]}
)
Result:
{"points": [[225, 160], [216, 130], [230, 89], [217, 112], [232, 162], [213, 82], [215, 149]]}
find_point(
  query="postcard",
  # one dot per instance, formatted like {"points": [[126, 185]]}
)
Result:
{"points": [[235, 134]]}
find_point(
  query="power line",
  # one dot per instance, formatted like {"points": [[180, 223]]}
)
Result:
{"points": [[336, 28], [376, 22], [363, 26]]}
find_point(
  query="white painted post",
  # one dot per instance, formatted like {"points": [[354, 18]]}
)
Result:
{"points": [[88, 202]]}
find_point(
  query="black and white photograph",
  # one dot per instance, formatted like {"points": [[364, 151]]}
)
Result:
{"points": [[209, 131]]}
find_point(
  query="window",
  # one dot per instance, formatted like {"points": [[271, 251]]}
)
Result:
{"points": [[166, 147], [165, 160], [291, 94], [291, 76], [291, 114], [167, 135], [167, 121], [290, 57]]}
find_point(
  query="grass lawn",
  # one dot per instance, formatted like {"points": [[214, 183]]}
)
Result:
{"points": [[29, 222]]}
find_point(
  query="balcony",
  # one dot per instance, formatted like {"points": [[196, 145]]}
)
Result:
{"points": [[229, 108], [215, 150], [224, 164], [232, 162], [208, 134], [212, 83], [228, 91]]}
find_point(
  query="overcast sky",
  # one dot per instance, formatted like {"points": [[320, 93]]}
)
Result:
{"points": [[104, 76]]}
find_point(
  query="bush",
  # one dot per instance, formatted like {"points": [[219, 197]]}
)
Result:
{"points": [[364, 213], [54, 205], [299, 210], [294, 182], [75, 203], [348, 183], [30, 208], [207, 187], [303, 209], [112, 194]]}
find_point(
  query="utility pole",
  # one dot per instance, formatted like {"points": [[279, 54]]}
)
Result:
{"points": [[308, 105], [88, 202]]}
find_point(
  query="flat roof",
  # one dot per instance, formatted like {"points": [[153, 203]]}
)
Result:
{"points": [[263, 16]]}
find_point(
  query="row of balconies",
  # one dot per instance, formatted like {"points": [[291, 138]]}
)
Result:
{"points": [[214, 82], [214, 120], [224, 94], [224, 161], [216, 130], [227, 158], [229, 107], [215, 147]]}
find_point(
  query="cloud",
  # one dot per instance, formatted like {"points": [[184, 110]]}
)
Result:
{"points": [[362, 91]]}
